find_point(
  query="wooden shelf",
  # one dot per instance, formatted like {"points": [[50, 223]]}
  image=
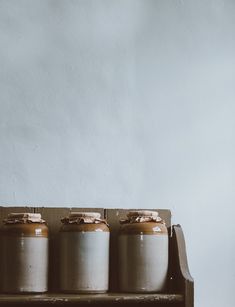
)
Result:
{"points": [[180, 284], [85, 299]]}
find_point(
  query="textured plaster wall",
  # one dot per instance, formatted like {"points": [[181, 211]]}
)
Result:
{"points": [[125, 103]]}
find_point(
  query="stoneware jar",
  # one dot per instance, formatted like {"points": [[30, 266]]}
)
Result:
{"points": [[24, 265], [84, 253], [143, 253]]}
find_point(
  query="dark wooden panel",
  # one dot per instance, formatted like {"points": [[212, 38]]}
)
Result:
{"points": [[113, 216]]}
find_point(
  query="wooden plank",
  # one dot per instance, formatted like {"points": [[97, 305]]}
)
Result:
{"points": [[53, 218], [113, 216], [84, 299]]}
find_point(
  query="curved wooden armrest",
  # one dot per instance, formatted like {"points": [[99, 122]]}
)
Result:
{"points": [[181, 279]]}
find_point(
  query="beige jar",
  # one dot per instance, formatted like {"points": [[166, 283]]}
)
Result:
{"points": [[84, 253], [143, 253], [24, 265]]}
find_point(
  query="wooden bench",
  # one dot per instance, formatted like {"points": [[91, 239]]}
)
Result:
{"points": [[180, 287]]}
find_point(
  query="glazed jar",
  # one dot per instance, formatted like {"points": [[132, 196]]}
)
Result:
{"points": [[84, 253], [24, 265], [143, 253]]}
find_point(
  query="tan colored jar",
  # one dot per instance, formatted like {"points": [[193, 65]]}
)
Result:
{"points": [[24, 264], [84, 253], [143, 253]]}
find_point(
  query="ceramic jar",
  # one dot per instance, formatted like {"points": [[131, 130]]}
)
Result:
{"points": [[84, 253], [24, 265], [143, 253]]}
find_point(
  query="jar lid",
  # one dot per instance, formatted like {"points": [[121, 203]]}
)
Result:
{"points": [[142, 216], [143, 213], [95, 215], [15, 218], [83, 218]]}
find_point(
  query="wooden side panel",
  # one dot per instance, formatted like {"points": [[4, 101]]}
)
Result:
{"points": [[113, 216], [53, 218], [181, 280]]}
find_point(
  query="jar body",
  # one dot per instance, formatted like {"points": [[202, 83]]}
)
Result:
{"points": [[24, 258], [143, 258], [84, 258]]}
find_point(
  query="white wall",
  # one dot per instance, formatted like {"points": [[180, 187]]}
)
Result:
{"points": [[125, 103]]}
